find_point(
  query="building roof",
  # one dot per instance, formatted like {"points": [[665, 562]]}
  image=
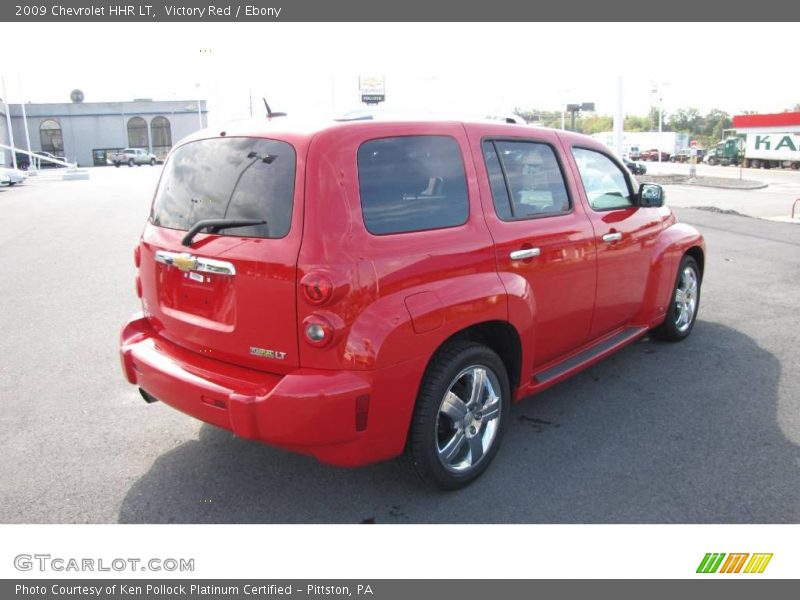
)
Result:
{"points": [[786, 121]]}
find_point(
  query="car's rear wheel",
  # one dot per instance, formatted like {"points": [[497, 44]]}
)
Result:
{"points": [[684, 303], [152, 162], [130, 162], [460, 416]]}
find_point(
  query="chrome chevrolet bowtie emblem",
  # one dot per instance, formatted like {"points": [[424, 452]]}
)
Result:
{"points": [[185, 262]]}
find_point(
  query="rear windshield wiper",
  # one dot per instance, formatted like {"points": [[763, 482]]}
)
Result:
{"points": [[214, 225]]}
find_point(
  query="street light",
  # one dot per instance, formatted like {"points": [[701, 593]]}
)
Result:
{"points": [[657, 89], [199, 114]]}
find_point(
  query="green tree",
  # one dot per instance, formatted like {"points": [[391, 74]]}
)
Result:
{"points": [[686, 120], [637, 123], [715, 122], [595, 124]]}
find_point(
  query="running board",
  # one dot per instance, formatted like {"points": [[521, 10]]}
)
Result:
{"points": [[619, 339]]}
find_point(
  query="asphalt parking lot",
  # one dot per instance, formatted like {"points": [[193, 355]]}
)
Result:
{"points": [[705, 431]]}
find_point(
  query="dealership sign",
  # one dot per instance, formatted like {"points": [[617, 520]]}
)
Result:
{"points": [[372, 89]]}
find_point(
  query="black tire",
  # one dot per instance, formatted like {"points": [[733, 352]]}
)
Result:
{"points": [[152, 162], [456, 369], [130, 162], [116, 164], [677, 325]]}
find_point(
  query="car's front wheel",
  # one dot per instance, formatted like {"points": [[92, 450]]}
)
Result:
{"points": [[460, 416], [684, 303], [130, 162], [152, 162]]}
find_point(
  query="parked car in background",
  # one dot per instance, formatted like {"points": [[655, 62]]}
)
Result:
{"points": [[48, 163], [653, 155], [4, 179], [685, 155], [636, 168], [363, 289], [41, 158], [14, 176], [133, 156]]}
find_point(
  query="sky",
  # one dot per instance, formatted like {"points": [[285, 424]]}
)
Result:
{"points": [[475, 69]]}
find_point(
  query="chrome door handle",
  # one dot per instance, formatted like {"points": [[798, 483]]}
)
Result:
{"points": [[523, 254], [612, 237]]}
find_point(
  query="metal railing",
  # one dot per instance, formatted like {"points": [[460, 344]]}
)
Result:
{"points": [[36, 159]]}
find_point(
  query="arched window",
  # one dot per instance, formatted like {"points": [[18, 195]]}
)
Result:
{"points": [[50, 136], [137, 133], [161, 135]]}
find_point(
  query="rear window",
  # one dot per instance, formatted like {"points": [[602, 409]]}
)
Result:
{"points": [[412, 183], [228, 178]]}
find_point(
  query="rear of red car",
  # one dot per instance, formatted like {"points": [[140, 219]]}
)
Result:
{"points": [[218, 336]]}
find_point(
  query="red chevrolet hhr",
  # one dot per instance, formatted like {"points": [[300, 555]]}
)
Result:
{"points": [[357, 290]]}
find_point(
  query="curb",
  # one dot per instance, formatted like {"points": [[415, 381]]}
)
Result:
{"points": [[758, 186]]}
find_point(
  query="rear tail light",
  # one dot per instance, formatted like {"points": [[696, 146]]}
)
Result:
{"points": [[317, 330], [317, 288]]}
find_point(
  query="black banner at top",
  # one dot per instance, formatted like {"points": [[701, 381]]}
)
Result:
{"points": [[397, 11]]}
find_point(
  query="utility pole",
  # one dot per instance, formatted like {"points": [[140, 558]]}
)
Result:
{"points": [[619, 120], [8, 121], [199, 113], [658, 90], [31, 167]]}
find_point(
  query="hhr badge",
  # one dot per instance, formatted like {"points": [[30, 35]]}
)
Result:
{"points": [[267, 353]]}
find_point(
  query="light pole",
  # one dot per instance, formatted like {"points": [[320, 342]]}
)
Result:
{"points": [[657, 89], [564, 94], [199, 114]]}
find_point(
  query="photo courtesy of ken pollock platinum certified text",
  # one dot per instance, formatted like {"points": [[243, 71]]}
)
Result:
{"points": [[194, 589]]}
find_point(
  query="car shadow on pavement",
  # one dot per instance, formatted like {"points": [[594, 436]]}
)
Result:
{"points": [[658, 433]]}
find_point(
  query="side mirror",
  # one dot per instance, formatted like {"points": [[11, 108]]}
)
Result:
{"points": [[651, 195]]}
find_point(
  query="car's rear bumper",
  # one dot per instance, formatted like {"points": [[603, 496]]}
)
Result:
{"points": [[308, 410]]}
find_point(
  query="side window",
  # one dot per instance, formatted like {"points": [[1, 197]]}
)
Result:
{"points": [[412, 183], [526, 180], [605, 184]]}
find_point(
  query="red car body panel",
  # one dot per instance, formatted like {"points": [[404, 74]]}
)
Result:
{"points": [[394, 299]]}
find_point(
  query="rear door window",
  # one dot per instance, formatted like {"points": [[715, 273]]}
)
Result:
{"points": [[228, 178], [412, 183]]}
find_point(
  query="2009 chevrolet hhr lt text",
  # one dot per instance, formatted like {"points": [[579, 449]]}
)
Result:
{"points": [[362, 289]]}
